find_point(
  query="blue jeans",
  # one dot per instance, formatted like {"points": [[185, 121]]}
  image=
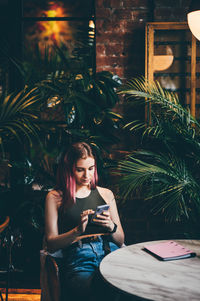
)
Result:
{"points": [[79, 269]]}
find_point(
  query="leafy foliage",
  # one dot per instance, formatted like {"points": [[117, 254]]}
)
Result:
{"points": [[166, 169], [75, 104], [17, 118]]}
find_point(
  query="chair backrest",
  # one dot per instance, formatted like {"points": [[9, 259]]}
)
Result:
{"points": [[4, 224], [49, 278]]}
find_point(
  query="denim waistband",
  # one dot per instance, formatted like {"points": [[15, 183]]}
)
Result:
{"points": [[80, 242]]}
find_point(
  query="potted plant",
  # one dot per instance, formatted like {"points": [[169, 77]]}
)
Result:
{"points": [[165, 168], [17, 126], [75, 103]]}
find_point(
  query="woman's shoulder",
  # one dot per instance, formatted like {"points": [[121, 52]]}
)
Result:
{"points": [[54, 196], [106, 194]]}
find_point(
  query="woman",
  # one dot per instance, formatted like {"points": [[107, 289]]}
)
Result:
{"points": [[68, 224]]}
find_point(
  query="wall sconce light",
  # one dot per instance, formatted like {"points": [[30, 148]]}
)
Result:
{"points": [[193, 18]]}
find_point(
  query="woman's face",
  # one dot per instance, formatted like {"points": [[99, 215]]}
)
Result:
{"points": [[84, 171]]}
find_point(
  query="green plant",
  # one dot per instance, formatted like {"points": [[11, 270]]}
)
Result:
{"points": [[17, 128], [75, 103], [17, 119], [166, 167]]}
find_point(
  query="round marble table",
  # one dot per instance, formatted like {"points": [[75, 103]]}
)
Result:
{"points": [[133, 271]]}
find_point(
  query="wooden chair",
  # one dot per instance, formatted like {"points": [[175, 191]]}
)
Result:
{"points": [[49, 277], [5, 224]]}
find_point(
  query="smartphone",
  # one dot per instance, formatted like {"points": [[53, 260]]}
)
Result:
{"points": [[99, 210]]}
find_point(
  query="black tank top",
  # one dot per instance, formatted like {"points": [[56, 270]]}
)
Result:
{"points": [[71, 218]]}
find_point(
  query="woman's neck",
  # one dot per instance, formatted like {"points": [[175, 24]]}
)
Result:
{"points": [[82, 191]]}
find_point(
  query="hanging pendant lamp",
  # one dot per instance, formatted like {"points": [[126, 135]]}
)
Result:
{"points": [[193, 18]]}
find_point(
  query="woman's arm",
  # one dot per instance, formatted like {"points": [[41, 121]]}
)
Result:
{"points": [[118, 236], [112, 216], [54, 240]]}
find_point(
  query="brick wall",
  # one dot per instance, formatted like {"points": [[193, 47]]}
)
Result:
{"points": [[120, 28], [120, 35], [170, 10]]}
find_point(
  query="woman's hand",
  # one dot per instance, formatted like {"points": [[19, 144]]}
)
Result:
{"points": [[84, 220], [104, 220]]}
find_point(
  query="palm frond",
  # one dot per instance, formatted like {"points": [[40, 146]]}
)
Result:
{"points": [[164, 180], [151, 91], [17, 118]]}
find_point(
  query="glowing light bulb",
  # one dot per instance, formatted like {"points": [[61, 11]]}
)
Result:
{"points": [[194, 23]]}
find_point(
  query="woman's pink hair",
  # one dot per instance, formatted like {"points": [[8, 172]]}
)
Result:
{"points": [[66, 182]]}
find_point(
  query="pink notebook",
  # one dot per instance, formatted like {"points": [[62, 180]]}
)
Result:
{"points": [[169, 250]]}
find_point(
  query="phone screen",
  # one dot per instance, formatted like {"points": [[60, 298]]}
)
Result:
{"points": [[99, 210]]}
